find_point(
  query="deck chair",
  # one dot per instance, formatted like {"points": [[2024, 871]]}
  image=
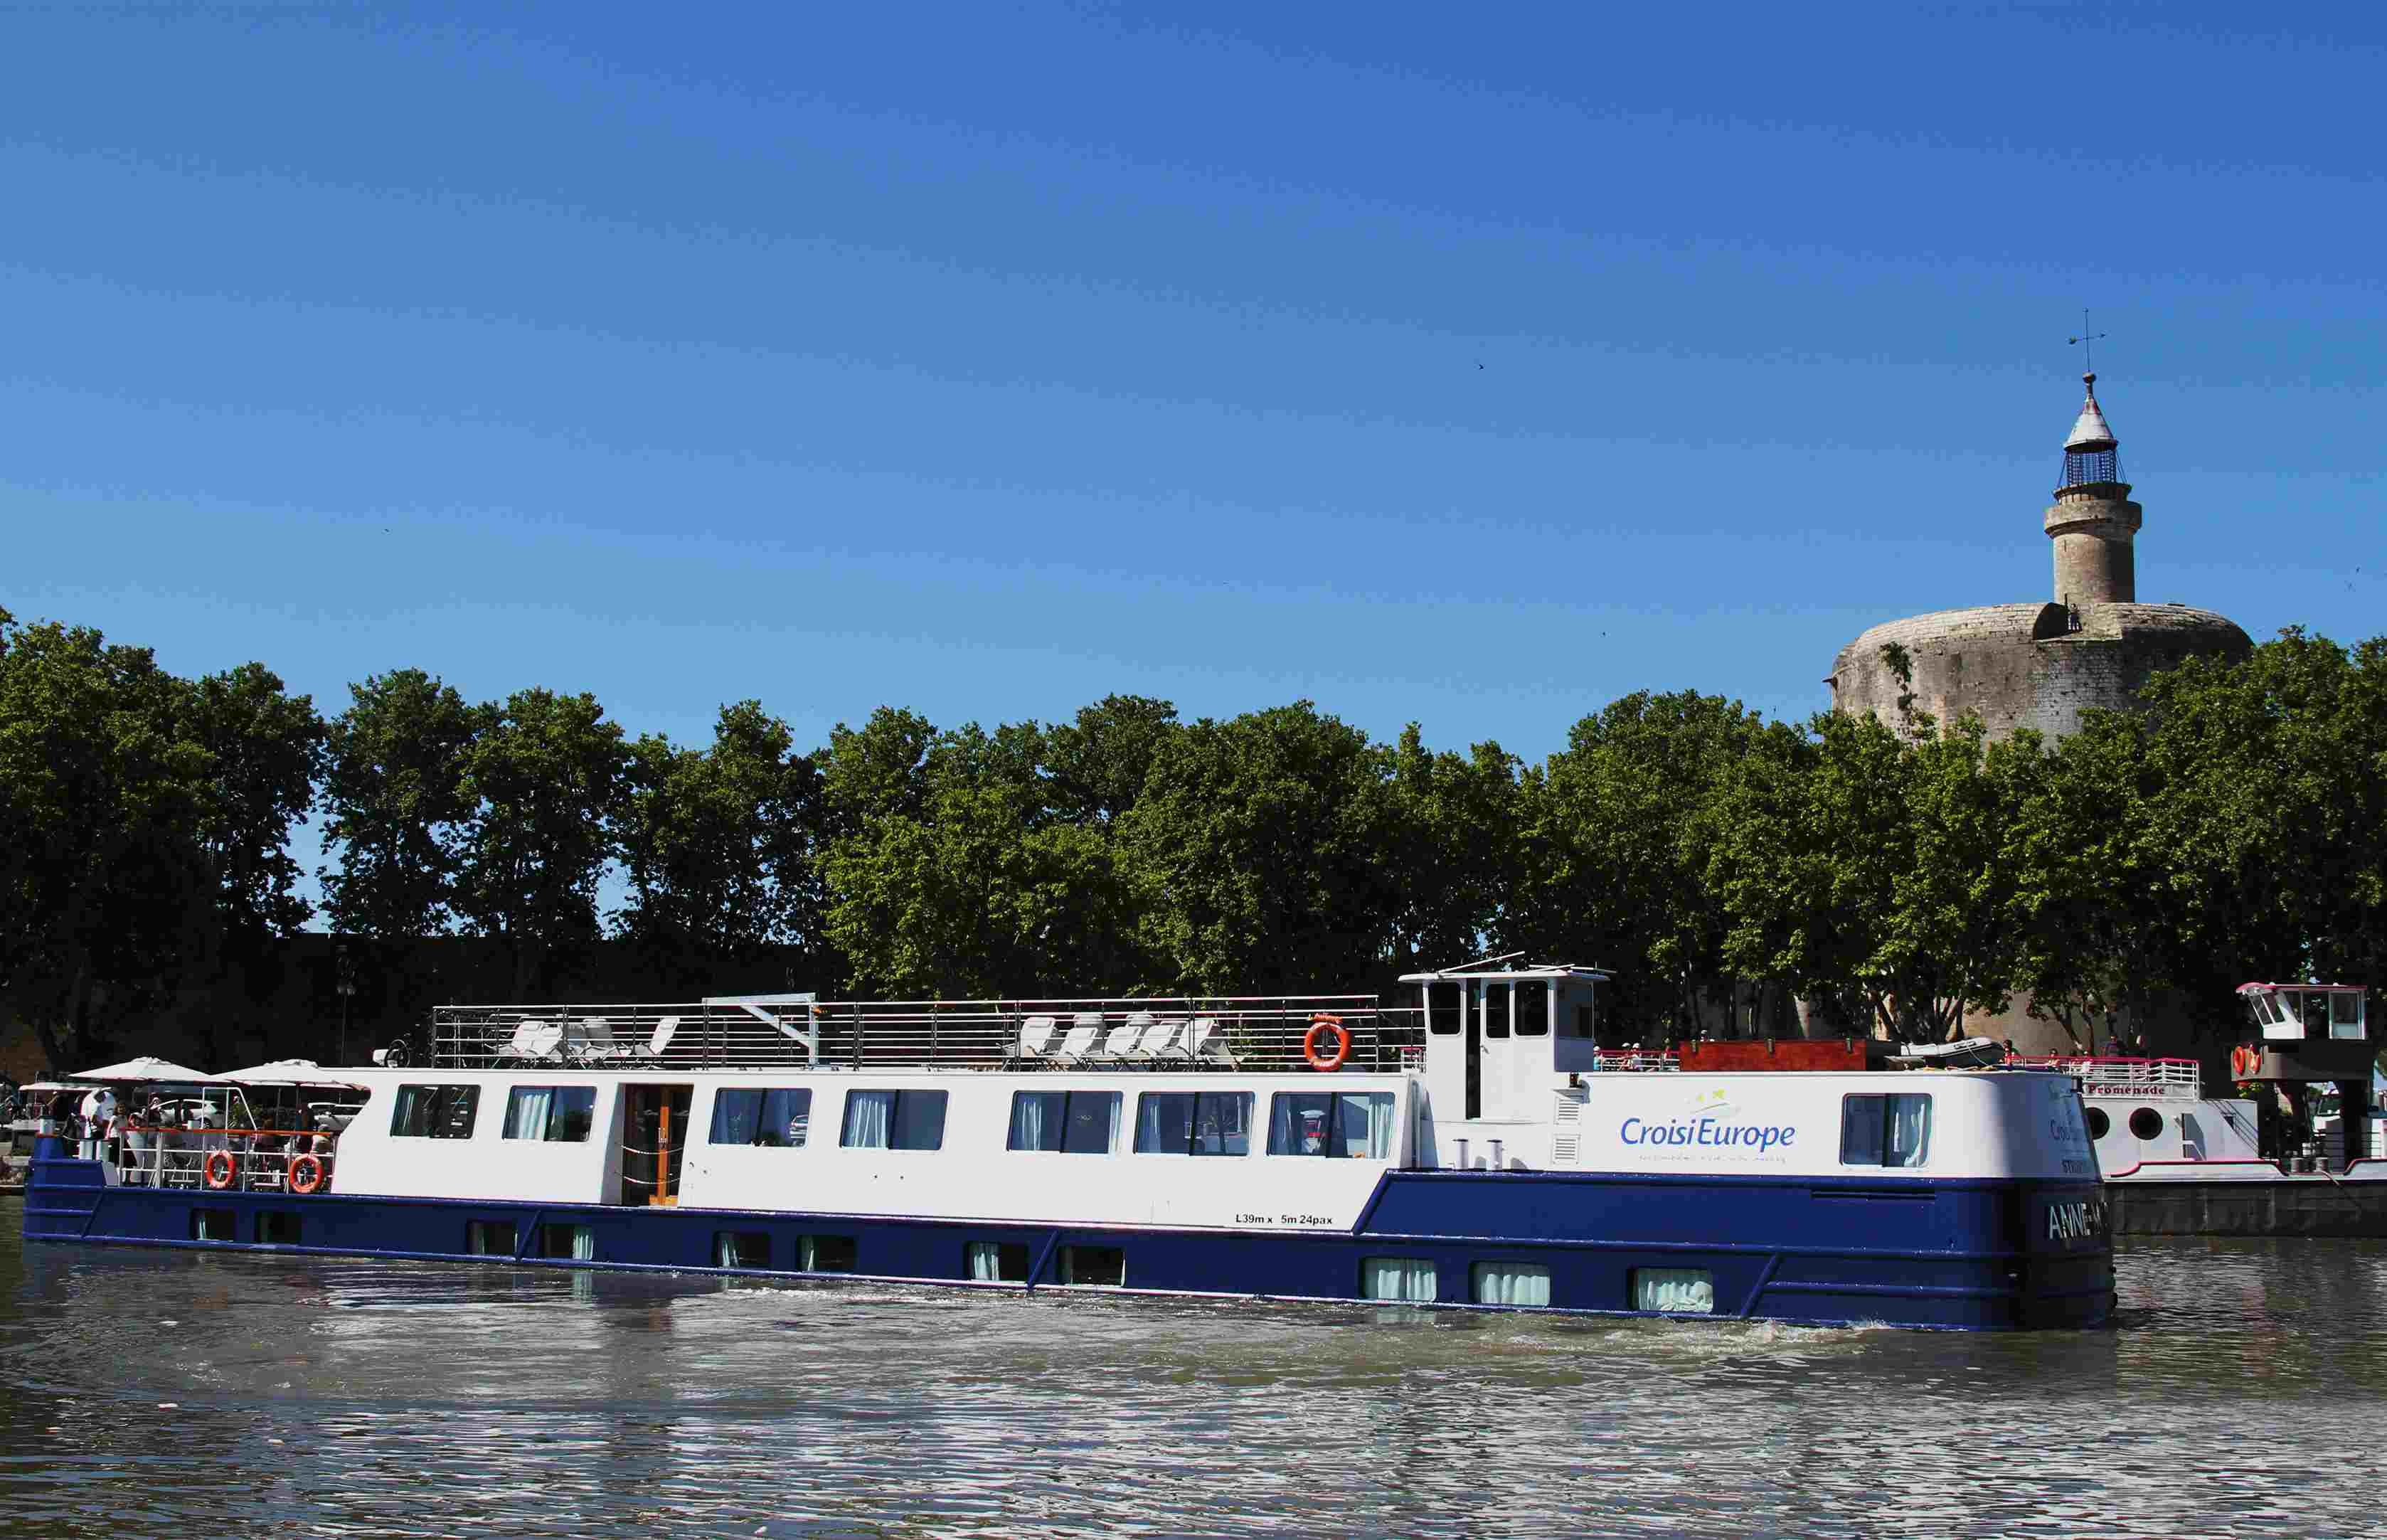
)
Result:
{"points": [[589, 1041], [1034, 1048], [1121, 1046], [1078, 1047], [662, 1040], [1206, 1044], [1164, 1041], [534, 1041]]}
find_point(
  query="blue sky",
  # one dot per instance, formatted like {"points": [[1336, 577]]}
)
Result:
{"points": [[1468, 365]]}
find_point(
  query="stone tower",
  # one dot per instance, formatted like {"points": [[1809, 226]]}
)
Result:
{"points": [[2093, 522], [2041, 665]]}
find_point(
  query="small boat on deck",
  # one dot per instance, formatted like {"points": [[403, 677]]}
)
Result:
{"points": [[1478, 1149]]}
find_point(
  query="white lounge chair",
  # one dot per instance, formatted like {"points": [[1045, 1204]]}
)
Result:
{"points": [[1141, 1039], [534, 1041], [1120, 1046], [1081, 1046], [1205, 1043], [589, 1041], [1035, 1046], [1164, 1041], [662, 1040]]}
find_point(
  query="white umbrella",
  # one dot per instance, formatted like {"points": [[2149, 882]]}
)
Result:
{"points": [[147, 1070], [284, 1072]]}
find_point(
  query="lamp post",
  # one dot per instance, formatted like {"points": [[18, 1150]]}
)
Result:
{"points": [[345, 971]]}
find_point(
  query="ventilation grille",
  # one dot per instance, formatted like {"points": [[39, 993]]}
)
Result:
{"points": [[1566, 1143]]}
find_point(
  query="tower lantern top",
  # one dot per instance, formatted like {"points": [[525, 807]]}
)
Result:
{"points": [[2089, 457]]}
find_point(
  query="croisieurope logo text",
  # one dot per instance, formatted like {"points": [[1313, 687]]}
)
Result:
{"points": [[1709, 1134]]}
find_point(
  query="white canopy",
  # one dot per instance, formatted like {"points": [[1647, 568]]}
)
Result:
{"points": [[284, 1072], [147, 1070]]}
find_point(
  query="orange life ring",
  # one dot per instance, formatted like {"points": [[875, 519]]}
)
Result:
{"points": [[2245, 1063], [216, 1170], [1320, 1026], [306, 1173]]}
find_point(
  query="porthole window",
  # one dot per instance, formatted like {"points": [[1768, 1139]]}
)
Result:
{"points": [[2100, 1125], [2146, 1123]]}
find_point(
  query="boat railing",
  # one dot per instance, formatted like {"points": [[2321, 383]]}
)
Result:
{"points": [[251, 1160], [2177, 1080], [1274, 1032], [1641, 1061]]}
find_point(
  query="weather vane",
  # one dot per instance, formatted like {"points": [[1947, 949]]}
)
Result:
{"points": [[2087, 339]]}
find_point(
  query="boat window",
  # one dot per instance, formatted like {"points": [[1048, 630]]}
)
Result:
{"points": [[1407, 1279], [213, 1224], [557, 1114], [742, 1248], [488, 1237], [1532, 1008], [2146, 1123], [1675, 1291], [1442, 1008], [2100, 1123], [1101, 1265], [2287, 1008], [434, 1111], [2267, 1009], [1575, 1017], [1509, 1283], [996, 1261], [825, 1253], [2317, 1012], [1188, 1122], [565, 1242], [894, 1120], [2345, 1014], [1892, 1129], [1491, 1003], [777, 1117], [1069, 1122], [1357, 1124], [277, 1229]]}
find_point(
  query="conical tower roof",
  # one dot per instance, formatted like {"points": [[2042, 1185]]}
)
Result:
{"points": [[2089, 431]]}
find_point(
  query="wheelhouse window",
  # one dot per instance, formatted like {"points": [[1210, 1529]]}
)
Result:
{"points": [[1893, 1129], [557, 1114], [1489, 999], [1444, 1004], [776, 1118], [2345, 1014], [894, 1120], [434, 1111], [1066, 1122], [1533, 1007], [1193, 1122], [1355, 1125]]}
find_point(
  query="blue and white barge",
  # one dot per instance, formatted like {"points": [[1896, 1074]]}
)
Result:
{"points": [[1476, 1149]]}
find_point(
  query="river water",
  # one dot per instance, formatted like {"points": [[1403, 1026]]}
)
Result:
{"points": [[147, 1392]]}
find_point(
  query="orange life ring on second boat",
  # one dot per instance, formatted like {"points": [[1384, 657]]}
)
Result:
{"points": [[216, 1170], [306, 1173], [1319, 1027], [2245, 1063]]}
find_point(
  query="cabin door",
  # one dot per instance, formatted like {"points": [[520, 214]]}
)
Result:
{"points": [[655, 1143]]}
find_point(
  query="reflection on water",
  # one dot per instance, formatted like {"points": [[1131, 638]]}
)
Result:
{"points": [[144, 1391]]}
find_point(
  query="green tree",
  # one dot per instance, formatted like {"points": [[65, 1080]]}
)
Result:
{"points": [[1258, 854], [1619, 845], [720, 845], [396, 805], [1452, 856], [545, 779]]}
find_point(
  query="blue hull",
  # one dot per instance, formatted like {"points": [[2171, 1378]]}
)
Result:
{"points": [[1953, 1254]]}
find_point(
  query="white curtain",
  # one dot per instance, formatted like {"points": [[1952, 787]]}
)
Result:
{"points": [[1512, 1283], [985, 1262], [867, 1115], [584, 1243], [1368, 1125], [1910, 1131], [1027, 1120], [526, 1111], [1675, 1291], [1401, 1277], [1109, 1117], [1151, 1131]]}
